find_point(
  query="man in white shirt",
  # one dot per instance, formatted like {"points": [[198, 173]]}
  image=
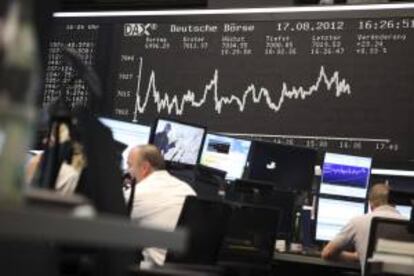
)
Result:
{"points": [[158, 197], [355, 233]]}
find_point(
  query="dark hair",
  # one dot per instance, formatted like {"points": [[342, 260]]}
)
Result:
{"points": [[152, 155]]}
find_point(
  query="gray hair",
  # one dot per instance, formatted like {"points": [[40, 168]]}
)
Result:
{"points": [[152, 155]]}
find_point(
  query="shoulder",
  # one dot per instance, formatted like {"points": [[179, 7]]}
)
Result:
{"points": [[161, 178], [358, 221], [364, 217], [180, 184]]}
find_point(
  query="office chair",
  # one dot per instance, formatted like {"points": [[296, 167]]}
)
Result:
{"points": [[206, 223], [386, 228]]}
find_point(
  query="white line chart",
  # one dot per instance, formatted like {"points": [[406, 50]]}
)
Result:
{"points": [[175, 104]]}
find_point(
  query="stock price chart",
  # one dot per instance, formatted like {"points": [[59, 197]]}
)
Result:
{"points": [[336, 79]]}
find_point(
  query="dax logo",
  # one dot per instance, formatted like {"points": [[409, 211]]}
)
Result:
{"points": [[138, 29]]}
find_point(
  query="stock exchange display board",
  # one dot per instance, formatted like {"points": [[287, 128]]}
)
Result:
{"points": [[333, 78]]}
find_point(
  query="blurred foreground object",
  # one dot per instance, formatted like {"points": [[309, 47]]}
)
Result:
{"points": [[19, 78]]}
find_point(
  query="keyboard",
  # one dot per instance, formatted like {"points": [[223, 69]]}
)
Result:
{"points": [[312, 253]]}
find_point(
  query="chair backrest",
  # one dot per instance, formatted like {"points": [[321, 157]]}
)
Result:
{"points": [[386, 228], [206, 223], [251, 234]]}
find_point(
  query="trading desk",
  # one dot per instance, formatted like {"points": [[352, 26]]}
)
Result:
{"points": [[297, 264]]}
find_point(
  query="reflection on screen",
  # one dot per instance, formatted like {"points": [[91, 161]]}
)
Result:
{"points": [[287, 167], [345, 175], [127, 135], [226, 154], [405, 211], [178, 142], [333, 214]]}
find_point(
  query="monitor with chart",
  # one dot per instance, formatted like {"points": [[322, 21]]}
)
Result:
{"points": [[333, 214], [281, 82], [345, 175]]}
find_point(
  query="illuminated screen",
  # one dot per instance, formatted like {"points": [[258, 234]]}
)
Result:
{"points": [[345, 175], [127, 135], [226, 154], [178, 142], [333, 214], [405, 211]]}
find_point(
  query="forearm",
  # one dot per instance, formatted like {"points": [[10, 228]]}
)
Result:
{"points": [[344, 256], [348, 256], [335, 251]]}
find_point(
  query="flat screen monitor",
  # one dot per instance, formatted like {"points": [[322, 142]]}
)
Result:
{"points": [[127, 135], [405, 211], [225, 153], [250, 235], [345, 175], [288, 167], [178, 142], [333, 214], [264, 194]]}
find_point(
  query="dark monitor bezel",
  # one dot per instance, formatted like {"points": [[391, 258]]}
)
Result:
{"points": [[239, 258], [265, 190]]}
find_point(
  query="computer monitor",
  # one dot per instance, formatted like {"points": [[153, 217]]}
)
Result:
{"points": [[250, 235], [127, 135], [333, 214], [404, 210], [225, 153], [400, 197], [345, 175], [178, 142], [267, 195], [288, 167]]}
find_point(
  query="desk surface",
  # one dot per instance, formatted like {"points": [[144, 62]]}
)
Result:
{"points": [[313, 260]]}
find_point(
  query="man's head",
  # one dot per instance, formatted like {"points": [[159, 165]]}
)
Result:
{"points": [[143, 160], [378, 195]]}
